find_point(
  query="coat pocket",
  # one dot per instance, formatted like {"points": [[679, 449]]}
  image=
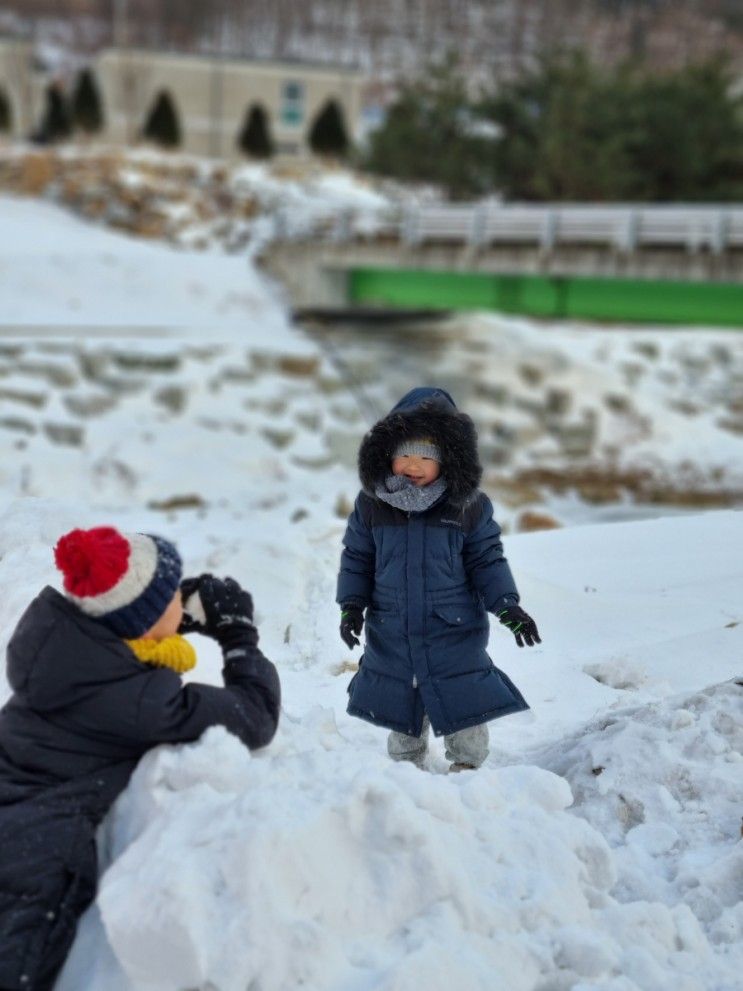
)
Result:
{"points": [[382, 613], [456, 615], [457, 621]]}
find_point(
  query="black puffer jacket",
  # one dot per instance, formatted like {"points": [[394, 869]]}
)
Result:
{"points": [[84, 710]]}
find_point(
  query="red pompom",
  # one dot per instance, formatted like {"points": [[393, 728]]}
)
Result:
{"points": [[92, 561]]}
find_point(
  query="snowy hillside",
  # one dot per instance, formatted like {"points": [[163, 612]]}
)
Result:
{"points": [[599, 848]]}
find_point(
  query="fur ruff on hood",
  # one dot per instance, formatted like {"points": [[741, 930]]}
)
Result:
{"points": [[429, 413]]}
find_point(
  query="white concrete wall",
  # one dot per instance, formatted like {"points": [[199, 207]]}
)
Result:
{"points": [[20, 86], [213, 96]]}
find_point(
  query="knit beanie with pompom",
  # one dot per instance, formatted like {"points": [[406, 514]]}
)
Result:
{"points": [[125, 580]]}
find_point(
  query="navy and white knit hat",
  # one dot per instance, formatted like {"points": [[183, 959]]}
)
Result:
{"points": [[125, 580], [423, 448]]}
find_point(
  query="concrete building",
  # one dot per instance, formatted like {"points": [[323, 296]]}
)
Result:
{"points": [[211, 97], [21, 89]]}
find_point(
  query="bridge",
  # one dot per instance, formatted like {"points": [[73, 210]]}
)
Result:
{"points": [[670, 264]]}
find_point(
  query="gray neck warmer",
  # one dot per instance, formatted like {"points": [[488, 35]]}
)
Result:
{"points": [[401, 493]]}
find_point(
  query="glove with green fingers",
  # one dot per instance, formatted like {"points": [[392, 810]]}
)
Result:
{"points": [[521, 625], [352, 622]]}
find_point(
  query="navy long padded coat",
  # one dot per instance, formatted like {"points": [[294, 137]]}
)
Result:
{"points": [[84, 710], [427, 581]]}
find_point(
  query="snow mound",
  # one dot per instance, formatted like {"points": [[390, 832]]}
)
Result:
{"points": [[305, 866], [661, 782]]}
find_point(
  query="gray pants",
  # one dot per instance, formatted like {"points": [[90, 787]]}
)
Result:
{"points": [[467, 746]]}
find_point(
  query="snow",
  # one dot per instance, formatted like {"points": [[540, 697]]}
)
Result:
{"points": [[59, 272], [599, 847], [601, 838]]}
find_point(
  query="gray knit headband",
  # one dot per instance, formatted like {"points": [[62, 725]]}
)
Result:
{"points": [[424, 449]]}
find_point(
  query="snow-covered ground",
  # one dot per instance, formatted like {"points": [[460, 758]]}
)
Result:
{"points": [[599, 848], [57, 272]]}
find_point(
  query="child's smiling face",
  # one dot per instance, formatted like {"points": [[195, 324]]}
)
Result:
{"points": [[420, 471]]}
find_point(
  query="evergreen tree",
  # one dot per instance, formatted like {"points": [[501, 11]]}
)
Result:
{"points": [[685, 135], [573, 131], [56, 124], [6, 112], [87, 113], [255, 138], [432, 135], [328, 135], [162, 125], [562, 134]]}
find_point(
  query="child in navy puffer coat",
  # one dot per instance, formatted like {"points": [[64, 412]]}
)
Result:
{"points": [[422, 566]]}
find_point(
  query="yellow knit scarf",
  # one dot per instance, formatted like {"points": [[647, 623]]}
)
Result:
{"points": [[174, 652]]}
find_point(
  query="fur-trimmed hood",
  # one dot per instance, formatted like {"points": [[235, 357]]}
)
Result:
{"points": [[425, 412]]}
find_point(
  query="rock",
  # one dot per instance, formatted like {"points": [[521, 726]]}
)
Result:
{"points": [[141, 361], [274, 407], [94, 364], [234, 373], [277, 437], [190, 501], [61, 375], [67, 434], [345, 667], [685, 406], [576, 439], [648, 349], [721, 354], [346, 412], [330, 384], [150, 225], [18, 424], [494, 454], [37, 172], [632, 371], [263, 361], [513, 492], [90, 405], [123, 384], [534, 407], [529, 521], [298, 515], [558, 402], [599, 491], [531, 374], [343, 507], [172, 397], [306, 418], [618, 403], [735, 426], [317, 461], [25, 397], [299, 366], [493, 392]]}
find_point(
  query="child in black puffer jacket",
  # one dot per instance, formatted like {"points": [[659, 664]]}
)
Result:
{"points": [[96, 683]]}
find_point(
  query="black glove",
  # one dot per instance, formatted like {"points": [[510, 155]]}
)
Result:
{"points": [[520, 624], [194, 618], [352, 621], [219, 609]]}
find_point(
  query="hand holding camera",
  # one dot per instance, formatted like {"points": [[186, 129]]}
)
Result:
{"points": [[217, 608]]}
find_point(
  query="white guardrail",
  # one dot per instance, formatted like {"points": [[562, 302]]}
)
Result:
{"points": [[712, 228]]}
